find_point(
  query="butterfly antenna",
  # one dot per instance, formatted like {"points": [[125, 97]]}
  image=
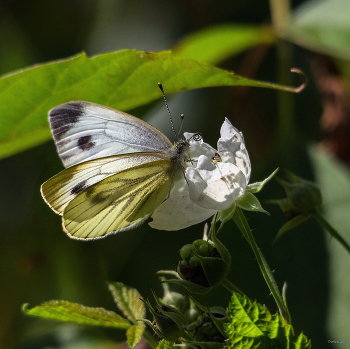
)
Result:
{"points": [[166, 104], [182, 121]]}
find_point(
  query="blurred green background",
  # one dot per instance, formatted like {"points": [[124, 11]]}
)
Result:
{"points": [[307, 133]]}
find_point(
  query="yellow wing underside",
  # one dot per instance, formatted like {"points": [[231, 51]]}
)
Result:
{"points": [[119, 202]]}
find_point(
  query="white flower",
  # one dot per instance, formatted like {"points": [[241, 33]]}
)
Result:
{"points": [[215, 180]]}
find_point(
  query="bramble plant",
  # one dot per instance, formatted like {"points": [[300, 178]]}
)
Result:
{"points": [[122, 173], [215, 184]]}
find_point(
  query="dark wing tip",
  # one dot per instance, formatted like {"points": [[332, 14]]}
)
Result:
{"points": [[63, 117]]}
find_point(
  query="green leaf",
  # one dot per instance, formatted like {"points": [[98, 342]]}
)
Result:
{"points": [[257, 186], [73, 312], [134, 334], [322, 26], [300, 218], [251, 325], [123, 80], [249, 202], [128, 301], [214, 44], [333, 177]]}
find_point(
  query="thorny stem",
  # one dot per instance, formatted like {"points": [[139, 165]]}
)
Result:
{"points": [[326, 225], [243, 226]]}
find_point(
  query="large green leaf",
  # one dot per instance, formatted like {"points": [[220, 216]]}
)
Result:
{"points": [[251, 325], [122, 80], [214, 44], [322, 26], [333, 177], [73, 312]]}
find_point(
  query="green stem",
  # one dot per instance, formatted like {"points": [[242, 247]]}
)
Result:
{"points": [[150, 340], [243, 226], [280, 14], [325, 224], [231, 287]]}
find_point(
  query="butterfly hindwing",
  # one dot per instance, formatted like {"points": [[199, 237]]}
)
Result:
{"points": [[85, 131], [59, 190], [119, 202]]}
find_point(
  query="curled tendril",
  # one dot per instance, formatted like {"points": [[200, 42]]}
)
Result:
{"points": [[287, 88], [303, 79]]}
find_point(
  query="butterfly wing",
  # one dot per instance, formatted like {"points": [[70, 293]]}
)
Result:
{"points": [[59, 190], [85, 131], [119, 202]]}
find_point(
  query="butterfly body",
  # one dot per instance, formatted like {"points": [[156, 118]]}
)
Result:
{"points": [[118, 169]]}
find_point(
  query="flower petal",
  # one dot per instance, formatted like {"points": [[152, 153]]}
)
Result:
{"points": [[178, 212], [231, 148], [215, 187], [198, 148]]}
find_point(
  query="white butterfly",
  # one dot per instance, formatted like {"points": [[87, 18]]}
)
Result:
{"points": [[119, 169]]}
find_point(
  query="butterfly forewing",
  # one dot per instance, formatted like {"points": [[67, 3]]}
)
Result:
{"points": [[85, 131], [119, 202]]}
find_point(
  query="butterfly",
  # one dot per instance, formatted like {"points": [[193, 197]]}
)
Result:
{"points": [[119, 169]]}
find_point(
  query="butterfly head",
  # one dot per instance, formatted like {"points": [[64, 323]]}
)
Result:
{"points": [[182, 146]]}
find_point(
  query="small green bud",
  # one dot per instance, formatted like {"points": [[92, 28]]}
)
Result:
{"points": [[186, 251], [183, 263], [207, 250], [200, 242], [192, 314], [175, 299], [303, 196], [204, 265], [194, 261]]}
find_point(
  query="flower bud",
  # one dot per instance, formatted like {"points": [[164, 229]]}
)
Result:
{"points": [[192, 314], [302, 196], [175, 299], [202, 264], [168, 329], [169, 322]]}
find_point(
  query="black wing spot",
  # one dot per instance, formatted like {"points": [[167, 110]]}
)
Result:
{"points": [[90, 191], [85, 143], [63, 118], [78, 188]]}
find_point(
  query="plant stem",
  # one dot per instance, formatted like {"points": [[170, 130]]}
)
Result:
{"points": [[280, 14], [243, 226], [150, 340], [326, 225]]}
